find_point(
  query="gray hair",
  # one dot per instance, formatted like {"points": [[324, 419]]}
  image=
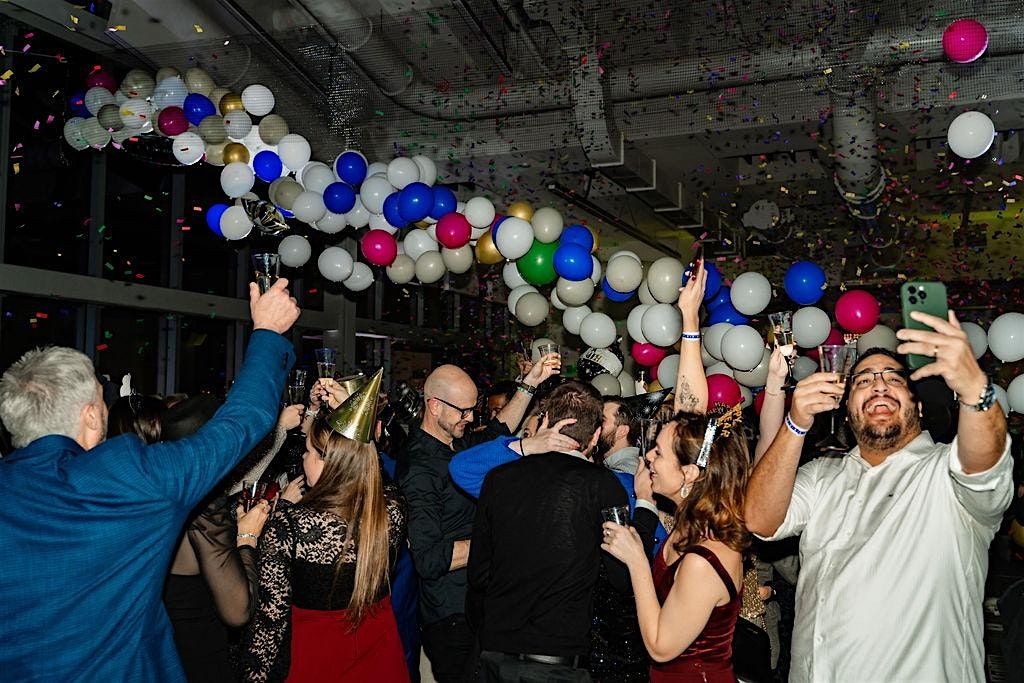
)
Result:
{"points": [[43, 393]]}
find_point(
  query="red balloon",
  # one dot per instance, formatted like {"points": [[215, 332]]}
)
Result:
{"points": [[723, 389], [857, 311], [101, 79], [648, 355], [835, 338], [172, 121], [965, 40], [453, 230], [379, 247]]}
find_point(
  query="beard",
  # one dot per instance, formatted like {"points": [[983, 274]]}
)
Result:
{"points": [[603, 447], [889, 437]]}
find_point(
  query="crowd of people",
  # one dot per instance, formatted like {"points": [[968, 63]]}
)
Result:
{"points": [[544, 534]]}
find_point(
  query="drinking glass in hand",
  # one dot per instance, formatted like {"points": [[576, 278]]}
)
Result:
{"points": [[618, 514], [297, 387], [267, 266], [325, 363], [547, 349], [782, 332], [252, 493], [840, 359]]}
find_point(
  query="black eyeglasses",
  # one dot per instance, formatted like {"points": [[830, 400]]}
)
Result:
{"points": [[463, 412], [893, 378]]}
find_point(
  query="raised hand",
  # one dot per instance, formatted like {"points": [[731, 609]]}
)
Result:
{"points": [[949, 346], [691, 296], [817, 393], [276, 310], [548, 366], [549, 439], [643, 486]]}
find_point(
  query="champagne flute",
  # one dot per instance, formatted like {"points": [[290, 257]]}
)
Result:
{"points": [[782, 332], [297, 387], [839, 359], [326, 363], [267, 266]]}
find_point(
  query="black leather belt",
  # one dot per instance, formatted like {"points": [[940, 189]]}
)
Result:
{"points": [[577, 662]]}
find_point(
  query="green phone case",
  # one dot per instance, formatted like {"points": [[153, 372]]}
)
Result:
{"points": [[927, 297]]}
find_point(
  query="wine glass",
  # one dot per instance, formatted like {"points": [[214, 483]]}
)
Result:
{"points": [[268, 267], [840, 359], [297, 387], [326, 363], [782, 332]]}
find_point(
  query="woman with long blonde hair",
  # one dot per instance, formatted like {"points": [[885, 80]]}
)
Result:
{"points": [[324, 611]]}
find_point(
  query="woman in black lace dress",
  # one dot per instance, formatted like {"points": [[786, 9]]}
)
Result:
{"points": [[324, 611]]}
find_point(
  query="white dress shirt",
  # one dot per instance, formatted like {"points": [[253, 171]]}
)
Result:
{"points": [[893, 563]]}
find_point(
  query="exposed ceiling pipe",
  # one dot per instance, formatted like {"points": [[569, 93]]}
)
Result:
{"points": [[858, 172]]}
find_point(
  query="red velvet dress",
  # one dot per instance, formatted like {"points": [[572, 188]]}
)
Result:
{"points": [[709, 657]]}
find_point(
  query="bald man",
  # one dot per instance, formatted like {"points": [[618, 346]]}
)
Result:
{"points": [[441, 515]]}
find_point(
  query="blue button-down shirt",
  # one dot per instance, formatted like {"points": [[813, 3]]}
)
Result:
{"points": [[86, 537]]}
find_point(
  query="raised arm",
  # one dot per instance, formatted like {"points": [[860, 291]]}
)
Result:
{"points": [[773, 409], [513, 412], [691, 384]]}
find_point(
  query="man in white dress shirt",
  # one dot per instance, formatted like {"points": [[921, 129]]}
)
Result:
{"points": [[895, 534]]}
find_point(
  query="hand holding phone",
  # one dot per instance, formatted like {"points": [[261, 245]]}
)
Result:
{"points": [[926, 297], [698, 256]]}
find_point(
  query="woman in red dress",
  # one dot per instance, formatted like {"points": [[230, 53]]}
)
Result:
{"points": [[688, 606], [324, 611]]}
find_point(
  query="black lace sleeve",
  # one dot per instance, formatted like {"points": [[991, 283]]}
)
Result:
{"points": [[397, 516], [229, 571], [266, 645]]}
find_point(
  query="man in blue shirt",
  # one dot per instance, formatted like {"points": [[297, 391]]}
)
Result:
{"points": [[88, 526]]}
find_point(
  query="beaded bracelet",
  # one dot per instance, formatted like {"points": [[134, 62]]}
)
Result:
{"points": [[252, 536], [691, 336], [793, 428]]}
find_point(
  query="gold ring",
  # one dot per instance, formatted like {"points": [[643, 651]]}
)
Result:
{"points": [[935, 351]]}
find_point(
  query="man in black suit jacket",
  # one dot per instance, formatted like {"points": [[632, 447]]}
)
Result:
{"points": [[536, 551]]}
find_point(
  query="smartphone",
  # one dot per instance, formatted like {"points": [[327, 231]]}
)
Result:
{"points": [[927, 297], [698, 254]]}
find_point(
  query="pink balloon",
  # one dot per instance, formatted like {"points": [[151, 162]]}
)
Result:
{"points": [[835, 338], [379, 248], [101, 79], [723, 389], [453, 230], [857, 311], [172, 121], [964, 40], [648, 355]]}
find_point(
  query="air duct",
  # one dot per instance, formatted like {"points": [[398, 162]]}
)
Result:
{"points": [[858, 170]]}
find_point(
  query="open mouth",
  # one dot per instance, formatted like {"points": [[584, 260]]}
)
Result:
{"points": [[881, 406]]}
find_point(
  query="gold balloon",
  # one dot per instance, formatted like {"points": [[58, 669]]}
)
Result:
{"points": [[597, 241], [520, 210], [236, 151], [654, 386], [231, 102], [486, 252]]}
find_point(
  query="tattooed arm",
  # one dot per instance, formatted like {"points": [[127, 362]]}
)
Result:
{"points": [[691, 384]]}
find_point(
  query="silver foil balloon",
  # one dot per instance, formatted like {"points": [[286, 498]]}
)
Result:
{"points": [[265, 216]]}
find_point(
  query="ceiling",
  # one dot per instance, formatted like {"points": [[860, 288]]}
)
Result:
{"points": [[698, 108]]}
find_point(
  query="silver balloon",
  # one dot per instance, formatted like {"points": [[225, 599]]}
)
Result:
{"points": [[265, 216]]}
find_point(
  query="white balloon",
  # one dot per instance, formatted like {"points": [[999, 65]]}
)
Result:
{"points": [[360, 279], [358, 216], [294, 151], [668, 370], [625, 252], [477, 233], [595, 274], [547, 224], [237, 124], [1002, 399], [479, 212], [532, 309], [459, 260], [417, 242], [427, 169], [971, 134], [573, 318], [236, 179], [170, 92], [880, 337], [334, 263], [758, 375], [258, 100], [742, 347], [1006, 337], [1015, 394], [430, 267], [96, 97], [138, 83], [309, 207], [598, 331], [316, 176], [750, 293], [574, 293], [720, 368], [975, 335], [606, 384], [706, 358], [513, 296], [94, 134], [402, 171], [662, 324], [235, 224], [188, 148], [623, 274], [402, 269], [378, 222], [514, 238], [803, 366], [811, 327], [713, 340], [664, 278], [294, 251], [555, 301], [136, 112], [511, 276], [748, 396], [374, 191], [73, 133], [644, 293], [627, 385], [331, 223], [634, 323]]}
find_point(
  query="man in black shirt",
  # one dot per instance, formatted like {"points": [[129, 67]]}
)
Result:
{"points": [[536, 552], [440, 519]]}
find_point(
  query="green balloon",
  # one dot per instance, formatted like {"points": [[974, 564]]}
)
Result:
{"points": [[537, 266]]}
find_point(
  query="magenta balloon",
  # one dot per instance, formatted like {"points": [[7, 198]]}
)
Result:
{"points": [[964, 40], [453, 230], [101, 79], [172, 121], [857, 311], [723, 389], [648, 355], [379, 248], [834, 338]]}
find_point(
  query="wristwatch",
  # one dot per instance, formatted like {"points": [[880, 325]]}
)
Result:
{"points": [[985, 401]]}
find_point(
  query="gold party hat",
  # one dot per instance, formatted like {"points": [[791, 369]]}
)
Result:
{"points": [[355, 417], [352, 383]]}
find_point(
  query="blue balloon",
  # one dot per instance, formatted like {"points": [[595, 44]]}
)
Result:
{"points": [[498, 220], [338, 197], [213, 215], [444, 202], [577, 234], [267, 165], [805, 282], [714, 281], [721, 297], [415, 201], [77, 104], [727, 314], [573, 262], [351, 167], [197, 107], [612, 294], [391, 213], [285, 212]]}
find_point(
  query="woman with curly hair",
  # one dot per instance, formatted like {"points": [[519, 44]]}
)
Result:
{"points": [[687, 607]]}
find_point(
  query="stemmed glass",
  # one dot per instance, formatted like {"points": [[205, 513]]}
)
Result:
{"points": [[782, 332], [297, 387], [840, 359], [326, 363], [268, 267]]}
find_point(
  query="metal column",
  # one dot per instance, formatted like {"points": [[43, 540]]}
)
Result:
{"points": [[170, 324], [88, 329]]}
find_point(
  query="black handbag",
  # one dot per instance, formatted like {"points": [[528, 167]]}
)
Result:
{"points": [[751, 652]]}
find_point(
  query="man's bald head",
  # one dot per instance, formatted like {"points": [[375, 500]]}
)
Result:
{"points": [[452, 384], [447, 392]]}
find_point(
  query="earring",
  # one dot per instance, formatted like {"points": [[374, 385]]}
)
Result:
{"points": [[685, 489]]}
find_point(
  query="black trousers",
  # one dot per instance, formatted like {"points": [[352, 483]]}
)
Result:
{"points": [[450, 646], [498, 667]]}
